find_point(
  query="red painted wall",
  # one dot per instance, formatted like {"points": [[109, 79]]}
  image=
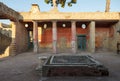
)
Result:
{"points": [[63, 35], [46, 38], [101, 34], [81, 31]]}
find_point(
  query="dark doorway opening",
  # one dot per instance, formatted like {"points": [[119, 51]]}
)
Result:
{"points": [[81, 42]]}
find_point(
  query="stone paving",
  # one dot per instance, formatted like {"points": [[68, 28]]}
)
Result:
{"points": [[22, 67]]}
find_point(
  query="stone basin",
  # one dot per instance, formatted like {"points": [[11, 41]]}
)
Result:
{"points": [[73, 65]]}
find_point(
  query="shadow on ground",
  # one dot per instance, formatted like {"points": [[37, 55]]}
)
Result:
{"points": [[22, 67]]}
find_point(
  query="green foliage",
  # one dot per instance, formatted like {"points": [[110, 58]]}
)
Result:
{"points": [[73, 1], [61, 2], [69, 4], [47, 1]]}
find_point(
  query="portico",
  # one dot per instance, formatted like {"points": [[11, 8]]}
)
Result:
{"points": [[59, 36], [54, 27], [62, 31]]}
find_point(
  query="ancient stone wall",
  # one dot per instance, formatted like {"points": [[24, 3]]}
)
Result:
{"points": [[5, 41], [115, 37], [21, 38], [8, 13], [101, 38], [28, 16]]}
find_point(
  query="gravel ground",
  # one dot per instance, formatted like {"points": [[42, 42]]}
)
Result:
{"points": [[22, 68]]}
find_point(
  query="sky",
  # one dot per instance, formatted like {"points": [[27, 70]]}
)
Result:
{"points": [[80, 6]]}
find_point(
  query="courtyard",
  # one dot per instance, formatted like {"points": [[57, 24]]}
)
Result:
{"points": [[22, 67], [57, 32]]}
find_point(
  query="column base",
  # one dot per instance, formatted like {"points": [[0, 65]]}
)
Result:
{"points": [[73, 45], [55, 46]]}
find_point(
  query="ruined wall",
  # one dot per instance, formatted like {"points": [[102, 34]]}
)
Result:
{"points": [[21, 38], [115, 37], [5, 40], [101, 37]]}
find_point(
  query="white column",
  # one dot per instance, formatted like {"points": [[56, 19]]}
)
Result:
{"points": [[92, 37], [73, 41], [54, 35], [35, 37]]}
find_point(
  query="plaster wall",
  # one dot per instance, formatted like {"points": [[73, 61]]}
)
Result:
{"points": [[63, 37], [101, 37], [46, 38], [28, 16], [54, 14], [115, 37]]}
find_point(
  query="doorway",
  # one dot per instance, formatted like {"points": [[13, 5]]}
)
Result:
{"points": [[81, 42]]}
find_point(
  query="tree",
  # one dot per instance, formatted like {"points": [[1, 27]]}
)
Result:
{"points": [[55, 3]]}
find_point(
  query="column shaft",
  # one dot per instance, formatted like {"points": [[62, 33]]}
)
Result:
{"points": [[35, 37], [92, 36], [54, 32], [73, 42]]}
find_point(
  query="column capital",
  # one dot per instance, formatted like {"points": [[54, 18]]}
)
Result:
{"points": [[73, 21], [54, 21], [92, 21], [34, 21]]}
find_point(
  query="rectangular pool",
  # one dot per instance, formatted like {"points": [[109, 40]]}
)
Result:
{"points": [[73, 65]]}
